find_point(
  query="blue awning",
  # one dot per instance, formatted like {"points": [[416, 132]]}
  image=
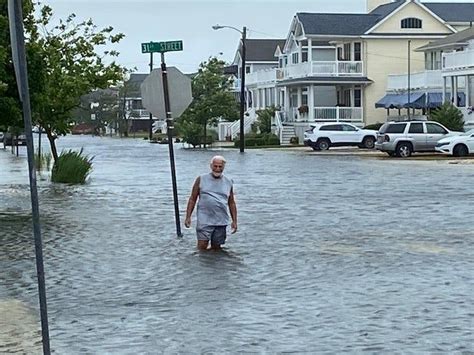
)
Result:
{"points": [[435, 99], [417, 100]]}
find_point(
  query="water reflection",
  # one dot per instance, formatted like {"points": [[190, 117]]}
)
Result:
{"points": [[333, 254]]}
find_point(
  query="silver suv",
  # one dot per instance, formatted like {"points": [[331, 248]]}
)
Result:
{"points": [[403, 138]]}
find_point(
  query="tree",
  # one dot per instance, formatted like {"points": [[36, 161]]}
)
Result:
{"points": [[100, 108], [10, 112], [212, 100], [449, 116], [264, 119], [68, 67]]}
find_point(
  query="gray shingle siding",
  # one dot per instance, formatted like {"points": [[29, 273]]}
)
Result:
{"points": [[336, 24], [262, 50], [322, 24], [453, 12]]}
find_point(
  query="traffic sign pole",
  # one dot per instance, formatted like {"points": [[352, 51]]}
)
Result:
{"points": [[150, 133], [169, 130], [163, 47]]}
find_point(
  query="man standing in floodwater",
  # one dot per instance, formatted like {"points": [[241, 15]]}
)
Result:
{"points": [[216, 194]]}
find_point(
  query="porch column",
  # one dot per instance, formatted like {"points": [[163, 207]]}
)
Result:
{"points": [[287, 100], [455, 91], [467, 92], [310, 50], [444, 89], [452, 90], [311, 103]]}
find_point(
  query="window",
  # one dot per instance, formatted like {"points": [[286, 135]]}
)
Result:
{"points": [[304, 55], [435, 129], [411, 22], [357, 97], [357, 51], [395, 128], [247, 69], [294, 58], [347, 128], [416, 128], [347, 51], [334, 127]]}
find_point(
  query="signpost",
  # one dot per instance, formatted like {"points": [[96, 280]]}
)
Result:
{"points": [[162, 47], [15, 17]]}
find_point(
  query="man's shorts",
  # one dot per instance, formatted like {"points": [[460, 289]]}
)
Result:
{"points": [[215, 234]]}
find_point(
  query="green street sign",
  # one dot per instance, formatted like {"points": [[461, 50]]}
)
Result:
{"points": [[170, 46]]}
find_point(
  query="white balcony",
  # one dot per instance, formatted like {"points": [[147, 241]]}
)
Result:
{"points": [[426, 80], [309, 69], [459, 61], [266, 76], [429, 79], [345, 114]]}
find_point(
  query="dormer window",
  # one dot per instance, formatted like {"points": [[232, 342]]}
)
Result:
{"points": [[411, 22]]}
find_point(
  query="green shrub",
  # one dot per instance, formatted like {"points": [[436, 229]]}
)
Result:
{"points": [[71, 168], [449, 116], [273, 140], [42, 161], [260, 139], [294, 140]]}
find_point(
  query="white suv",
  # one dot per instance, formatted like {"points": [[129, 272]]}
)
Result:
{"points": [[322, 136]]}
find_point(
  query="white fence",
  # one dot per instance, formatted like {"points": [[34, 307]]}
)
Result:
{"points": [[458, 60]]}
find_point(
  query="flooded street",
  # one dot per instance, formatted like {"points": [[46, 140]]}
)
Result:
{"points": [[333, 254]]}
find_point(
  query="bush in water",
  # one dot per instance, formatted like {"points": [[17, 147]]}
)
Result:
{"points": [[71, 168]]}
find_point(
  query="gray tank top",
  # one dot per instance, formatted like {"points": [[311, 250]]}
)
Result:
{"points": [[213, 201]]}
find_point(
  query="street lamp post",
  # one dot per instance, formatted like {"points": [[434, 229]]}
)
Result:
{"points": [[242, 82]]}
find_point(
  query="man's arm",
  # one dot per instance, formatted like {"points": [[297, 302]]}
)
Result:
{"points": [[192, 202], [233, 211]]}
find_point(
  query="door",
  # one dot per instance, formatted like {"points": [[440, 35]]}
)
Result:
{"points": [[434, 132], [417, 136], [350, 134]]}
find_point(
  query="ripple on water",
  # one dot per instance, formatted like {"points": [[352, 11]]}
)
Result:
{"points": [[333, 254]]}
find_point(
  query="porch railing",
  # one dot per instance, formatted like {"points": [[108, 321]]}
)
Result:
{"points": [[249, 118], [429, 79], [458, 60], [330, 68], [346, 114], [261, 76], [277, 125]]}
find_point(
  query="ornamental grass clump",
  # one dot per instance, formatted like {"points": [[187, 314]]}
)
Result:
{"points": [[71, 168]]}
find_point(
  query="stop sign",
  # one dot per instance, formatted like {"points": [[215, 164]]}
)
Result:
{"points": [[179, 88]]}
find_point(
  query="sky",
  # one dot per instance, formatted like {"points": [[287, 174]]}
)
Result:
{"points": [[191, 21]]}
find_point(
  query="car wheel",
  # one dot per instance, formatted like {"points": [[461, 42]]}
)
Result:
{"points": [[404, 150], [323, 144], [460, 150], [369, 142]]}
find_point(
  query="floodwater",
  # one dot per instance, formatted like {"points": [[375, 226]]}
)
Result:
{"points": [[333, 254]]}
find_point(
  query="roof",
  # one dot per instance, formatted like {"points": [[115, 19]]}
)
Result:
{"points": [[330, 24], [321, 24], [454, 40], [452, 12], [262, 50]]}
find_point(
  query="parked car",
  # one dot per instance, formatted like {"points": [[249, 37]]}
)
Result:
{"points": [[322, 136], [404, 138], [19, 140], [459, 146]]}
